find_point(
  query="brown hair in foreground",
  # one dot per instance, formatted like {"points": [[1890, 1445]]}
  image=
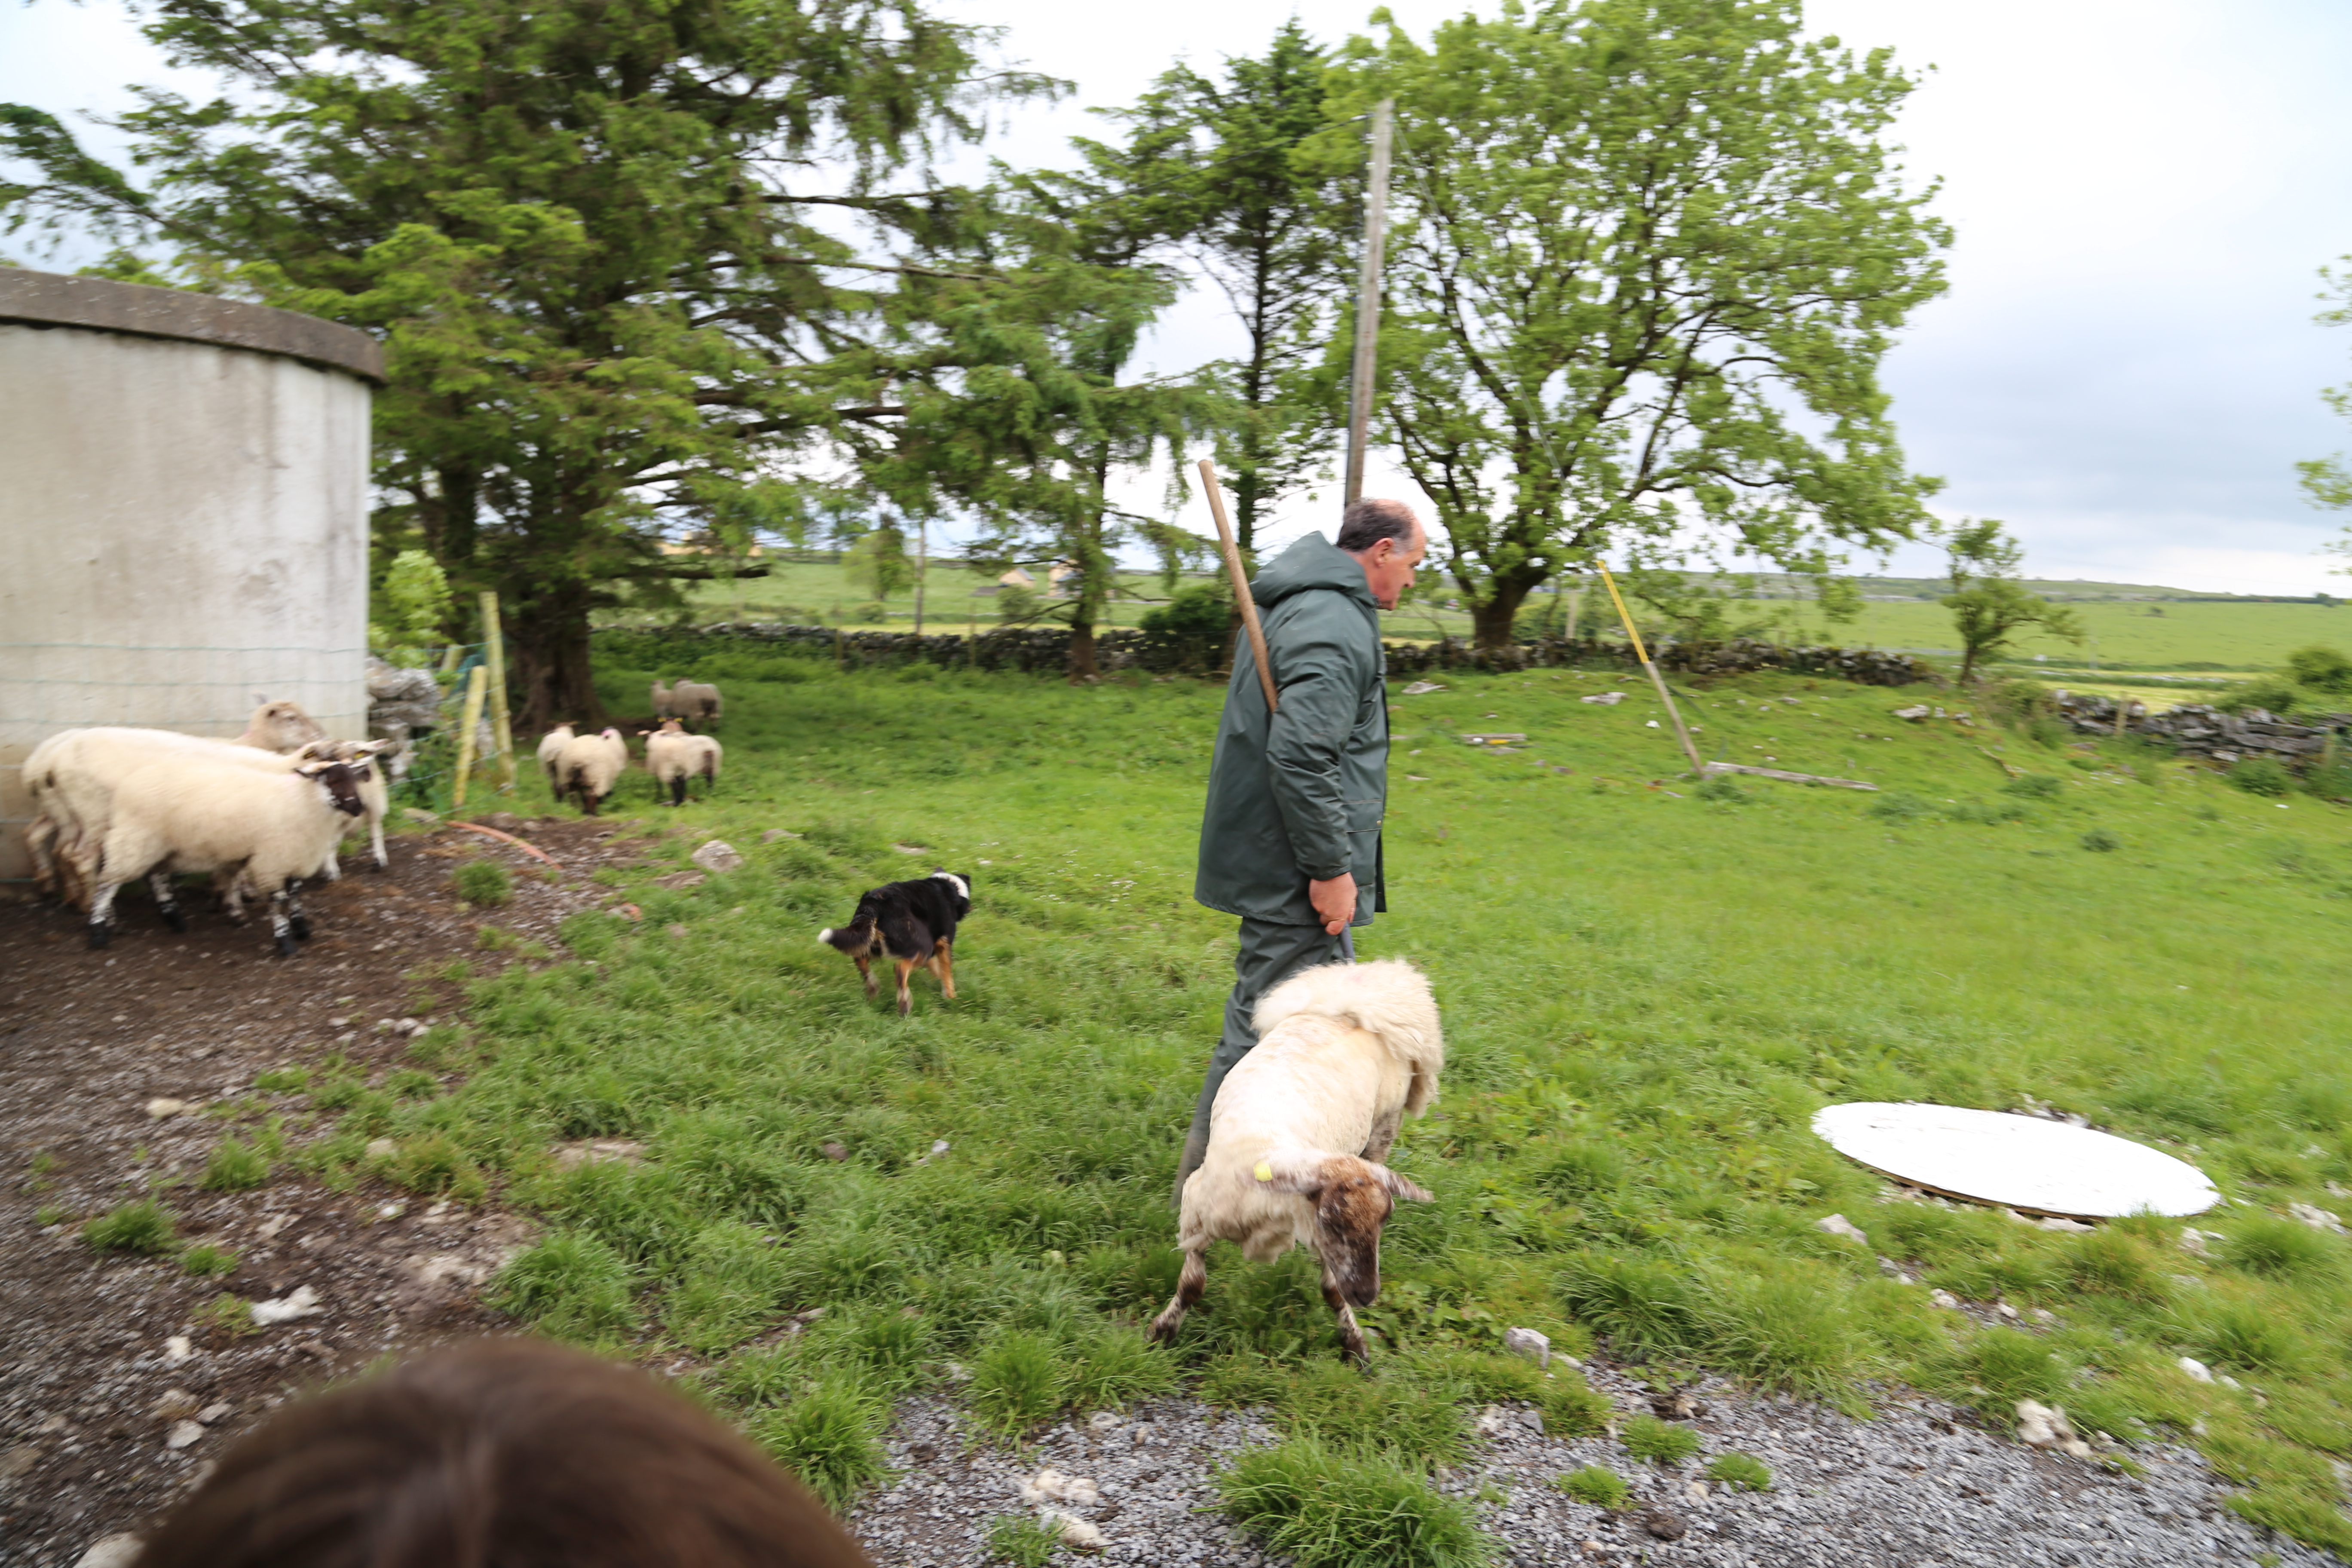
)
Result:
{"points": [[499, 1454]]}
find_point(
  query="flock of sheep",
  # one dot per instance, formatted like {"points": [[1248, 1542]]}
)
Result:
{"points": [[588, 768], [261, 814]]}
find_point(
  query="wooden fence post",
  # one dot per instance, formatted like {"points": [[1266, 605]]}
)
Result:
{"points": [[494, 649], [475, 683]]}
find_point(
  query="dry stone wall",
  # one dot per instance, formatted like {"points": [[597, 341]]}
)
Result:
{"points": [[2204, 730]]}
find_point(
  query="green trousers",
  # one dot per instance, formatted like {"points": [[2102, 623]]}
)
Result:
{"points": [[1270, 954]]}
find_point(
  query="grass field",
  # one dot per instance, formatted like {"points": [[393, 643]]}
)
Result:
{"points": [[1647, 992], [2180, 635]]}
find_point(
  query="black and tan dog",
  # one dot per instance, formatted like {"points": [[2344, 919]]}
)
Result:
{"points": [[914, 924]]}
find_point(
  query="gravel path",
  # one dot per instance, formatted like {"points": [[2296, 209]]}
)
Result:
{"points": [[1917, 1488]]}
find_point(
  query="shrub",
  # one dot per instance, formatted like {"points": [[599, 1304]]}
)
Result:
{"points": [[1744, 1471], [1600, 1487], [571, 1286], [485, 884], [1325, 1510], [1022, 1542], [2321, 668], [2034, 786], [1415, 1422], [830, 1437], [2099, 841], [2278, 1248], [206, 1261], [1660, 1442], [235, 1167], [145, 1227], [2262, 776], [2271, 693]]}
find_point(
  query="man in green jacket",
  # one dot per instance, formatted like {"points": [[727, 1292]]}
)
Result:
{"points": [[1290, 840]]}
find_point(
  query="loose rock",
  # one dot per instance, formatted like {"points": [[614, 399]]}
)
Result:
{"points": [[1664, 1525], [182, 1433], [1838, 1224], [716, 856], [1531, 1343], [302, 1302], [109, 1552]]}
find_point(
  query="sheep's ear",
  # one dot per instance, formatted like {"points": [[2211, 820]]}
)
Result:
{"points": [[312, 770], [1304, 1177], [1401, 1188], [317, 749]]}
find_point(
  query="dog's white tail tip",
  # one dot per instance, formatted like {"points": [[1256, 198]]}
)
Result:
{"points": [[826, 936]]}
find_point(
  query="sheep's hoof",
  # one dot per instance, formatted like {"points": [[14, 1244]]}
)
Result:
{"points": [[99, 935], [380, 864], [300, 926], [179, 920], [286, 948]]}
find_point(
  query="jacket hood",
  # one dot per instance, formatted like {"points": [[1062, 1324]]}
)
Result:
{"points": [[1312, 562]]}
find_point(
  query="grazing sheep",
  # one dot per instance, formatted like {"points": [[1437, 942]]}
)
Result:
{"points": [[1345, 1053], [692, 699], [673, 756], [550, 748], [205, 815], [589, 767], [376, 795], [665, 701]]}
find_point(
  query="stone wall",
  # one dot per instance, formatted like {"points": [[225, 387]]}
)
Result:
{"points": [[2202, 731]]}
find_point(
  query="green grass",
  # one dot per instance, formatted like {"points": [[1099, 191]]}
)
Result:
{"points": [[146, 1227], [1660, 1442], [235, 1166], [1622, 1149], [1327, 1508], [1597, 1485], [1744, 1471], [1022, 1542], [485, 884], [206, 1261]]}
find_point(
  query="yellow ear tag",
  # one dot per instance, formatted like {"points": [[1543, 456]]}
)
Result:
{"points": [[1265, 1171]]}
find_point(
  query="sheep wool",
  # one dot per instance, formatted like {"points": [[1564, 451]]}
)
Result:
{"points": [[551, 747], [673, 757], [207, 815], [589, 768], [693, 699], [1345, 1053]]}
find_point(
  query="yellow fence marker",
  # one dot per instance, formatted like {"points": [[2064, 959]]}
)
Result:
{"points": [[475, 684], [1656, 679]]}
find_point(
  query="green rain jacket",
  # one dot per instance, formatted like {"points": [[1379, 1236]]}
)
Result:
{"points": [[1302, 797]]}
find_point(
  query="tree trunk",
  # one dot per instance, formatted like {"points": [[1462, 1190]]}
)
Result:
{"points": [[1081, 664], [1491, 618], [549, 632]]}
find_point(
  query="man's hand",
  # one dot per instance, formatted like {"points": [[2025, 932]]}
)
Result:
{"points": [[1335, 900]]}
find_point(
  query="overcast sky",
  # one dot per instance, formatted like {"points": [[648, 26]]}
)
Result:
{"points": [[2126, 368]]}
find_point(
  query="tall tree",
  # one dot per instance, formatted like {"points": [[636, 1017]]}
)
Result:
{"points": [[1989, 605], [622, 256], [1648, 254], [2328, 481], [1219, 168]]}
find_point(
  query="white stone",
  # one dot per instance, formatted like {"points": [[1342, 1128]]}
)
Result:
{"points": [[2194, 1240], [1531, 1343], [182, 1433], [718, 855], [214, 1415], [2006, 1310], [1945, 1298], [2318, 1219], [2046, 1426], [302, 1302], [2197, 1370], [109, 1552], [1838, 1224], [1077, 1535], [1494, 1420], [381, 1148], [2054, 1222], [1422, 687], [1605, 699], [161, 1108], [177, 1349], [1103, 1420]]}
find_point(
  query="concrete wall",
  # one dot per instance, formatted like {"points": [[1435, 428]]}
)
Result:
{"points": [[182, 522]]}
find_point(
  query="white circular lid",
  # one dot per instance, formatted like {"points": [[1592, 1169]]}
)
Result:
{"points": [[2020, 1162]]}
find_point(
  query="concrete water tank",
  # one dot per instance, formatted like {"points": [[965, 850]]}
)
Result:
{"points": [[184, 517]]}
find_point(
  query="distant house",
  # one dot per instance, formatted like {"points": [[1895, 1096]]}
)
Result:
{"points": [[1016, 578], [1064, 576], [701, 545]]}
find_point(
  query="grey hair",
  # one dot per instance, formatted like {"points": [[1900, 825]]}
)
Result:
{"points": [[1367, 521]]}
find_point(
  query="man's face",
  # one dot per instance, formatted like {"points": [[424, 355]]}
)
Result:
{"points": [[1389, 567]]}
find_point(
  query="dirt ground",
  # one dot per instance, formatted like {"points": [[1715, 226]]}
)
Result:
{"points": [[114, 1395]]}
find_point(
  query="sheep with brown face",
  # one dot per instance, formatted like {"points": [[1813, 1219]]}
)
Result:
{"points": [[1300, 1127]]}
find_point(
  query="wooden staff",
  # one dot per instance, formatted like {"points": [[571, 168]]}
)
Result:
{"points": [[1656, 678], [1241, 584]]}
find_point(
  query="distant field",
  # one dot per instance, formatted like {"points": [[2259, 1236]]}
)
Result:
{"points": [[2237, 636]]}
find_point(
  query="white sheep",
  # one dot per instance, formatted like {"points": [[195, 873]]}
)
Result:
{"points": [[665, 701], [71, 777], [1300, 1127], [673, 757], [198, 813], [693, 699], [589, 767], [551, 747]]}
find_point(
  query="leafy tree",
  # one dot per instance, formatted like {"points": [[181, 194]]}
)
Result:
{"points": [[2321, 668], [1647, 257], [1220, 168], [415, 604], [2329, 481], [622, 256], [877, 560], [1989, 605]]}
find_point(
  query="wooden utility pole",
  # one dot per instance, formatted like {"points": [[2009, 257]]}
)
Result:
{"points": [[1656, 679], [494, 652], [922, 567], [1367, 296]]}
